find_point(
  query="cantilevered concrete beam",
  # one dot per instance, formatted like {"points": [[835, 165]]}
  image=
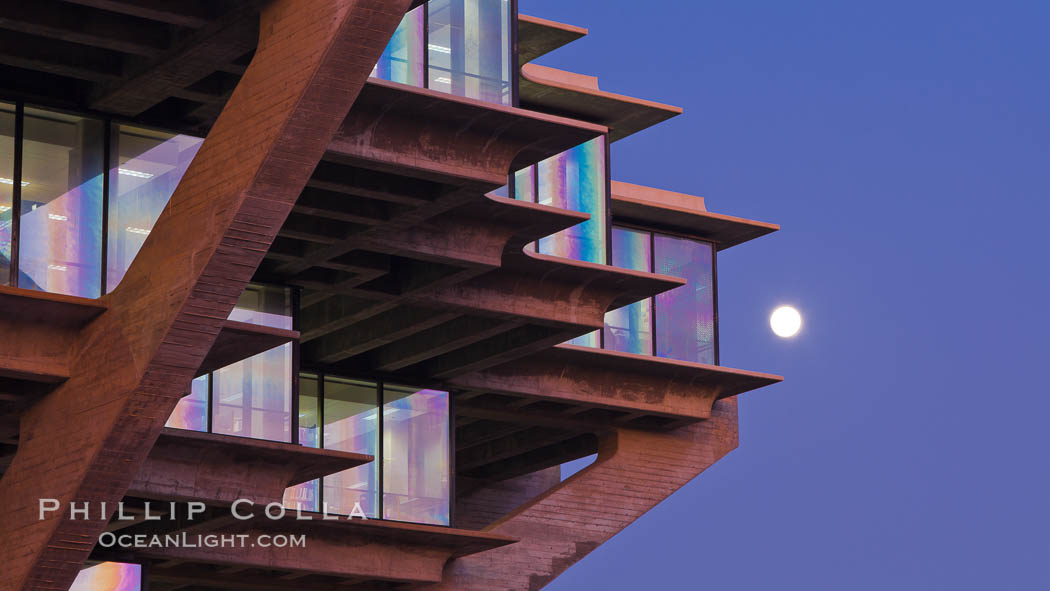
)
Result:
{"points": [[625, 382], [220, 469], [635, 470], [369, 551]]}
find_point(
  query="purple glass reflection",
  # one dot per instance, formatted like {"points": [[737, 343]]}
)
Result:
{"points": [[685, 316]]}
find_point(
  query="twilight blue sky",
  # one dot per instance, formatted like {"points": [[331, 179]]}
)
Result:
{"points": [[904, 147]]}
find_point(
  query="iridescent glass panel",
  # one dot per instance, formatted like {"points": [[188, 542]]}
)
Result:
{"points": [[402, 60], [685, 316], [629, 329], [415, 455], [468, 48], [351, 424], [145, 168], [60, 227]]}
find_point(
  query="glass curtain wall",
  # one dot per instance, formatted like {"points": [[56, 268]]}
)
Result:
{"points": [[677, 324], [52, 221], [415, 455], [253, 397], [576, 179], [109, 576], [409, 439], [403, 60], [307, 496], [685, 317], [467, 47], [145, 167], [192, 410], [60, 217], [630, 329], [350, 424], [7, 185]]}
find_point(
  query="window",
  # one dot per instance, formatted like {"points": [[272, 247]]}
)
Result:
{"points": [[415, 455], [402, 60], [253, 397], [192, 410], [109, 576], [350, 424], [677, 324], [577, 180], [467, 49], [409, 439], [307, 496], [630, 329], [685, 317], [144, 170], [51, 232], [7, 182], [60, 210]]}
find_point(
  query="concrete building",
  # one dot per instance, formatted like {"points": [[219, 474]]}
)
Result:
{"points": [[356, 258]]}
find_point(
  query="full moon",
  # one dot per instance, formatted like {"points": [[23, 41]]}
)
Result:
{"points": [[785, 321]]}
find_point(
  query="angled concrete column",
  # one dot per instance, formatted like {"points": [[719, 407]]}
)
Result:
{"points": [[86, 440], [635, 470]]}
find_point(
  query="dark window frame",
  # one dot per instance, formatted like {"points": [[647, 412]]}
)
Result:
{"points": [[380, 384], [110, 125], [653, 232], [515, 71]]}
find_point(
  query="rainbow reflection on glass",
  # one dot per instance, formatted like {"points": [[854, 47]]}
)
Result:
{"points": [[525, 184], [350, 424], [402, 60], [575, 180], [109, 576], [415, 455], [591, 339], [685, 316], [468, 48], [7, 184], [60, 222], [146, 168], [253, 398], [192, 411], [629, 329], [306, 496]]}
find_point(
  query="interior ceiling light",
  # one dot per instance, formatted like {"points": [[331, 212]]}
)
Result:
{"points": [[135, 173]]}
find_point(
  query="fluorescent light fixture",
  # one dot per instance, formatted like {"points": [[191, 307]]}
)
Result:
{"points": [[56, 267], [439, 48], [133, 230], [6, 181], [55, 216], [443, 80], [4, 208], [135, 173]]}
